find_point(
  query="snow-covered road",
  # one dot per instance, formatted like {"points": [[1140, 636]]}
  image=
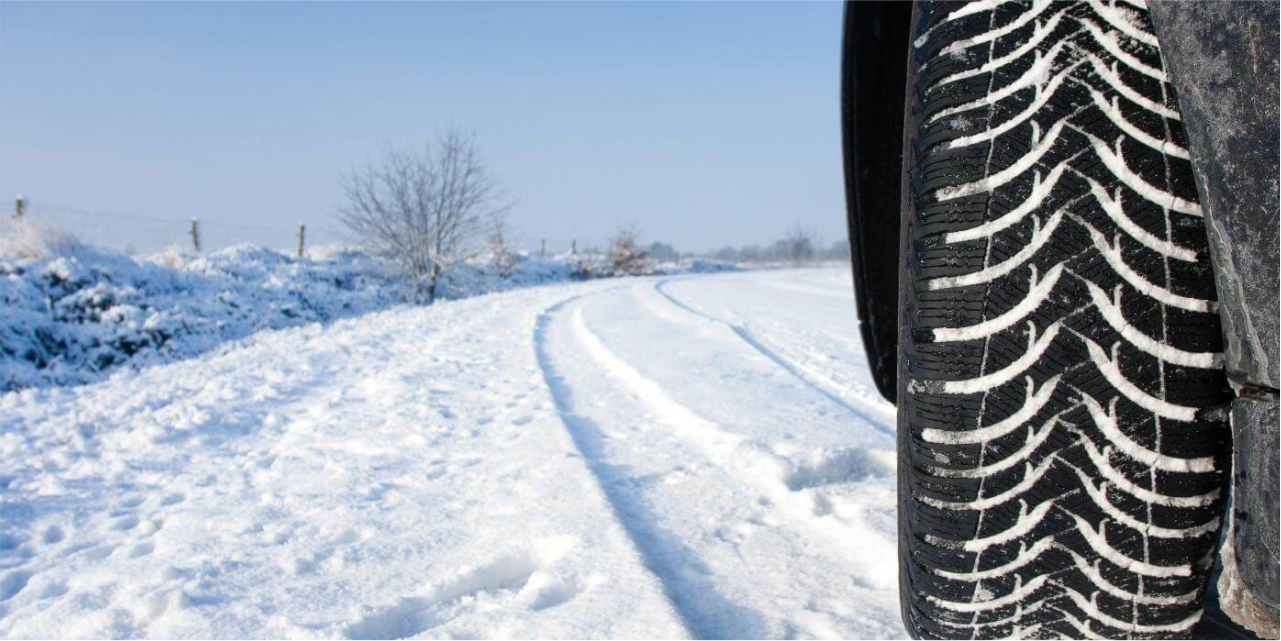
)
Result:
{"points": [[698, 456]]}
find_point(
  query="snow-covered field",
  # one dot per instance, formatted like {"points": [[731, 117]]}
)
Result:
{"points": [[698, 455]]}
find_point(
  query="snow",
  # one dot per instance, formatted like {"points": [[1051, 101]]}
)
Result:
{"points": [[698, 455], [73, 314], [76, 318]]}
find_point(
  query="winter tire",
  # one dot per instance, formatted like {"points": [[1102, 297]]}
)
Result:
{"points": [[1062, 435]]}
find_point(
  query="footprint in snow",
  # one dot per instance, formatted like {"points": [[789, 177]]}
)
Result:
{"points": [[516, 580], [840, 466], [463, 462], [435, 470], [347, 537], [11, 541], [53, 535], [13, 583], [54, 589], [549, 591], [822, 506], [411, 616], [101, 552], [125, 523], [377, 492]]}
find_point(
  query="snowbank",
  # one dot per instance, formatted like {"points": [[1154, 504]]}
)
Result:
{"points": [[72, 314], [75, 318]]}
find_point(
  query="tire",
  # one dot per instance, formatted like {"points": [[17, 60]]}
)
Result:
{"points": [[1063, 438]]}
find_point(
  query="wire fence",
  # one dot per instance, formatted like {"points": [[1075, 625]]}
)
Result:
{"points": [[134, 233], [137, 233], [557, 246]]}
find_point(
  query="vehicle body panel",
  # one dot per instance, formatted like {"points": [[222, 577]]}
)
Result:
{"points": [[1222, 60]]}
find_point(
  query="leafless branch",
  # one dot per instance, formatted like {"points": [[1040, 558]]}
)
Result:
{"points": [[427, 211]]}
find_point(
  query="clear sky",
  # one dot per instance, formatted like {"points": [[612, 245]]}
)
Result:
{"points": [[706, 123]]}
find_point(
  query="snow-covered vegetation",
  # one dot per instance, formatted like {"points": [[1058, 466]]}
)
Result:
{"points": [[425, 210], [71, 313], [626, 256]]}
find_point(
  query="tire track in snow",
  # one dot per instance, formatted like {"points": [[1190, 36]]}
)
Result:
{"points": [[780, 484], [797, 370], [311, 457], [809, 290], [703, 611]]}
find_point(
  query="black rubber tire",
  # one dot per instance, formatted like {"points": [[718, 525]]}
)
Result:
{"points": [[1062, 430]]}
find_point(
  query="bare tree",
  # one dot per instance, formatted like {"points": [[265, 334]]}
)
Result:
{"points": [[504, 258], [625, 255], [799, 244], [424, 210]]}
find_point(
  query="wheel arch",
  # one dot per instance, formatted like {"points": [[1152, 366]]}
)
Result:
{"points": [[874, 56], [1223, 62]]}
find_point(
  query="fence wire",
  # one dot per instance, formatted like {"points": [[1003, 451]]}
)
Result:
{"points": [[134, 233]]}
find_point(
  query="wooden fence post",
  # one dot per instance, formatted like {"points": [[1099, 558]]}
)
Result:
{"points": [[195, 234], [19, 207], [302, 238]]}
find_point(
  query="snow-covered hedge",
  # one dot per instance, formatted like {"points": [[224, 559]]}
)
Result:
{"points": [[72, 319], [71, 314]]}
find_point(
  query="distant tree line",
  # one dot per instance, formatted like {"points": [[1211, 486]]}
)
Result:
{"points": [[799, 245]]}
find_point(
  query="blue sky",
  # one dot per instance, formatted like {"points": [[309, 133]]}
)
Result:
{"points": [[706, 123]]}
